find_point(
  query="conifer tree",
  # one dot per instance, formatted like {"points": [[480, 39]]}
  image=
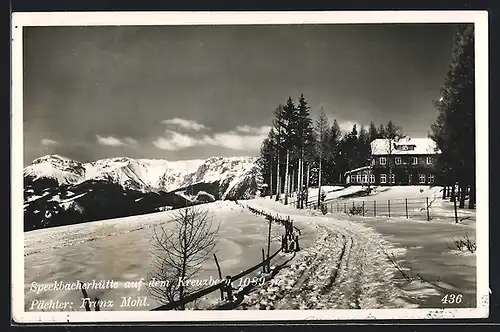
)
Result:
{"points": [[322, 145], [277, 126], [289, 125], [454, 129], [305, 138]]}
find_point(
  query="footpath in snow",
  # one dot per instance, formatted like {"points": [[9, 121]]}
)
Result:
{"points": [[345, 268]]}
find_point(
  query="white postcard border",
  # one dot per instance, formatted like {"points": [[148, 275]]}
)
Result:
{"points": [[20, 20]]}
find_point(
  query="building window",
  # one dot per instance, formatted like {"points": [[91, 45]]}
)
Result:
{"points": [[392, 178], [414, 160], [429, 160], [430, 178], [372, 178], [365, 178], [421, 178], [358, 178], [382, 160], [373, 162], [383, 178], [398, 160]]}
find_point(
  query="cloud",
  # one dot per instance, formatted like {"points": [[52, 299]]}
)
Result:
{"points": [[264, 130], [176, 141], [244, 138], [185, 124], [115, 142], [49, 142]]}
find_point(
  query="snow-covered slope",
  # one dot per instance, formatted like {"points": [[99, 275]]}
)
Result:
{"points": [[61, 169], [231, 173], [61, 191], [148, 174]]}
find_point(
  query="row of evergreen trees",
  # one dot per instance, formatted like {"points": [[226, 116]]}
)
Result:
{"points": [[454, 129], [300, 152]]}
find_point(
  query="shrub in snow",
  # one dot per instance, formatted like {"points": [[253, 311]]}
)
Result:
{"points": [[322, 196], [356, 210], [324, 208], [465, 244]]}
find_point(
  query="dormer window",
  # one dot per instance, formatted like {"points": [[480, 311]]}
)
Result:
{"points": [[429, 160], [382, 160]]}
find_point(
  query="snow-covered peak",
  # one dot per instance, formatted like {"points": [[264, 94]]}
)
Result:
{"points": [[54, 158], [145, 174], [62, 169]]}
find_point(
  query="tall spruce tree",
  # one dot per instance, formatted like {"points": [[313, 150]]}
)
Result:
{"points": [[334, 155], [322, 145], [454, 129], [289, 123], [381, 131], [278, 129], [372, 132], [266, 161], [305, 137], [363, 148]]}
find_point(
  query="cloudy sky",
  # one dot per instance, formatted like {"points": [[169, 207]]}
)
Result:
{"points": [[194, 92]]}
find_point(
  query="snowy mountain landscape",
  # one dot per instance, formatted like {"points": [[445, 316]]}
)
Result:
{"points": [[322, 171], [343, 262], [61, 191]]}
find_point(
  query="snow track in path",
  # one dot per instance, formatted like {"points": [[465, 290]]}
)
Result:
{"points": [[345, 268]]}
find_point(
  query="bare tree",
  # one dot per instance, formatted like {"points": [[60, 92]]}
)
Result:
{"points": [[180, 253], [392, 133]]}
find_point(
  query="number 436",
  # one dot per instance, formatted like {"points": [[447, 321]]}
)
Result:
{"points": [[452, 299]]}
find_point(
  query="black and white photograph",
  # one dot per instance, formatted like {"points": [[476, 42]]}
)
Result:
{"points": [[249, 166]]}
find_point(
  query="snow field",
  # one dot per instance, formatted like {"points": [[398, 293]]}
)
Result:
{"points": [[121, 250], [423, 250]]}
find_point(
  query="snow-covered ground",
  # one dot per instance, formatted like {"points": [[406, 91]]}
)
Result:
{"points": [[424, 251], [122, 250], [343, 262]]}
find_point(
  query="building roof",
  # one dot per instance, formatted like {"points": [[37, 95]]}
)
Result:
{"points": [[381, 146], [357, 169]]}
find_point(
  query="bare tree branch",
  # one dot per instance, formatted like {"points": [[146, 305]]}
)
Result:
{"points": [[180, 253]]}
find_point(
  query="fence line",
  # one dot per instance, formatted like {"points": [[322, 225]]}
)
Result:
{"points": [[421, 208], [220, 286], [289, 243]]}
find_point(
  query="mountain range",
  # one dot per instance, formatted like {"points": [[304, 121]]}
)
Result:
{"points": [[60, 191]]}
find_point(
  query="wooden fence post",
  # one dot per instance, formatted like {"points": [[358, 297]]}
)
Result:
{"points": [[96, 305], [220, 276], [345, 208], [297, 248], [363, 208], [389, 207], [427, 208], [229, 288], [406, 207], [85, 296], [374, 208], [269, 239], [284, 243], [263, 262], [455, 208], [352, 206]]}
